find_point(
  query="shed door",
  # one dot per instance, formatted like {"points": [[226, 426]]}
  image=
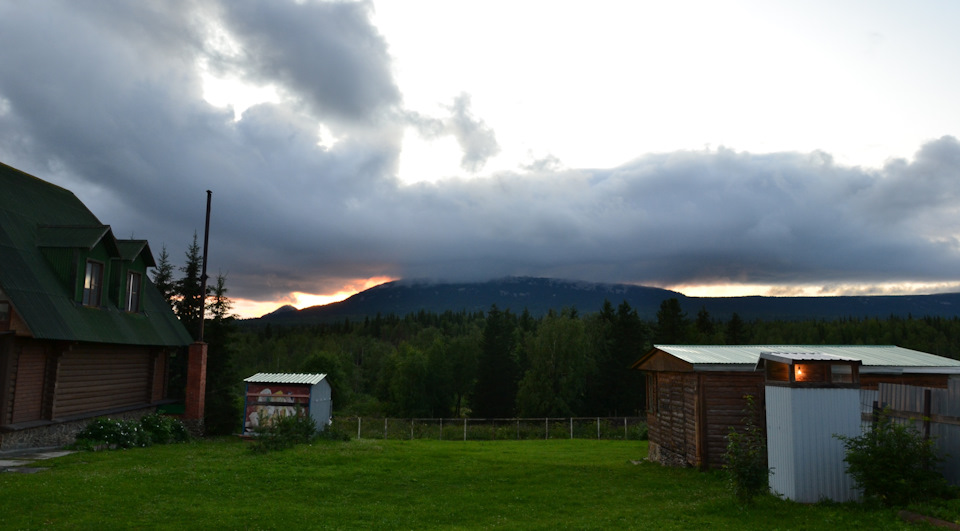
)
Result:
{"points": [[28, 390], [94, 381]]}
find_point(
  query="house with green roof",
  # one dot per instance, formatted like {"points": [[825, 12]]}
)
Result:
{"points": [[83, 331]]}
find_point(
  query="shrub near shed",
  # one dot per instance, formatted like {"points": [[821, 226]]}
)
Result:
{"points": [[894, 464]]}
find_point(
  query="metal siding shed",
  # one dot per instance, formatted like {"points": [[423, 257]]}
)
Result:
{"points": [[272, 394]]}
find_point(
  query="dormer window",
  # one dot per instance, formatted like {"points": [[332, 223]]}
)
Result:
{"points": [[134, 281], [92, 284]]}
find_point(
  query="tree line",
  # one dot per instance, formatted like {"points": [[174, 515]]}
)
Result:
{"points": [[499, 363], [492, 364]]}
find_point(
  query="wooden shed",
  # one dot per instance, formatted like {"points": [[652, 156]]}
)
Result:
{"points": [[272, 394], [696, 393]]}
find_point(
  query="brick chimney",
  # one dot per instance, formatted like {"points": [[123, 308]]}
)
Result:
{"points": [[196, 385]]}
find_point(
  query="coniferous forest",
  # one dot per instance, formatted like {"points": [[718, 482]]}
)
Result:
{"points": [[501, 364], [489, 364]]}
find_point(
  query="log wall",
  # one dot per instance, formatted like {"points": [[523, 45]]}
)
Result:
{"points": [[28, 392], [725, 407], [95, 380]]}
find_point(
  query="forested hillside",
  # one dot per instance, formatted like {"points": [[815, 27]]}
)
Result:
{"points": [[497, 363]]}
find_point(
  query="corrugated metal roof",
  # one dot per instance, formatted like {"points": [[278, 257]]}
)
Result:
{"points": [[870, 355], [789, 357], [84, 237], [132, 249], [286, 378]]}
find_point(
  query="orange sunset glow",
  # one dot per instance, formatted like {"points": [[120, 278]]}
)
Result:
{"points": [[249, 309]]}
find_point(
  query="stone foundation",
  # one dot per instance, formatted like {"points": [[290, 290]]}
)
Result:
{"points": [[60, 433], [665, 457]]}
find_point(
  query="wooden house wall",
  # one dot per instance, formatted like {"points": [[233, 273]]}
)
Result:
{"points": [[158, 376], [31, 368], [672, 419], [724, 406], [51, 381], [94, 380]]}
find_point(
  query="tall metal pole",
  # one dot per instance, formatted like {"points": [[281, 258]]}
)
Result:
{"points": [[203, 271]]}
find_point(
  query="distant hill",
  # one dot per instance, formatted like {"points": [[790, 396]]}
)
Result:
{"points": [[539, 295]]}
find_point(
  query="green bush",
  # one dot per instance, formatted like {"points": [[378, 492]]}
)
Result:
{"points": [[283, 431], [151, 429], [894, 464], [333, 433], [746, 458], [163, 429]]}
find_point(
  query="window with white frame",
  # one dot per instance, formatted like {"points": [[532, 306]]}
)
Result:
{"points": [[134, 281]]}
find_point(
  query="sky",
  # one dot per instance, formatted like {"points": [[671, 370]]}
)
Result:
{"points": [[714, 148]]}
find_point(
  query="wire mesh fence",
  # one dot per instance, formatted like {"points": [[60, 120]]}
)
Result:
{"points": [[458, 429]]}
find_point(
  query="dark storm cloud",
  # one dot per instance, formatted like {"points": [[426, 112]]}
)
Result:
{"points": [[107, 100], [328, 54]]}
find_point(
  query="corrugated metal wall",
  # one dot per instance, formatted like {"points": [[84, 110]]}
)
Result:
{"points": [[909, 400], [801, 447], [948, 435], [321, 403]]}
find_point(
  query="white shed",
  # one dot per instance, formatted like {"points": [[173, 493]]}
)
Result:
{"points": [[270, 394], [811, 397]]}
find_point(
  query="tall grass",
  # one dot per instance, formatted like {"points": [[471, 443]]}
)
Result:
{"points": [[420, 484]]}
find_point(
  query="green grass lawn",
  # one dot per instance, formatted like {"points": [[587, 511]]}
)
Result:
{"points": [[420, 484]]}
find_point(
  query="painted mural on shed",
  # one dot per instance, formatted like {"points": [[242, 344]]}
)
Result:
{"points": [[83, 331], [272, 395]]}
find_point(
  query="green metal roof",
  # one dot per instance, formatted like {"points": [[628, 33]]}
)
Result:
{"points": [[35, 214], [83, 237], [874, 358], [131, 249]]}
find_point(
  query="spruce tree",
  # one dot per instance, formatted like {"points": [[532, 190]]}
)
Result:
{"points": [[496, 389], [188, 303], [671, 322], [222, 414], [163, 276]]}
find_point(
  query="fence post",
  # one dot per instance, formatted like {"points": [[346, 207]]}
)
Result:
{"points": [[598, 428], [464, 428], [358, 427], [625, 437], [571, 427], [384, 428], [411, 429], [441, 428], [546, 428], [518, 428]]}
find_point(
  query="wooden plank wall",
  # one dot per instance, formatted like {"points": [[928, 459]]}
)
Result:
{"points": [[94, 380], [159, 376], [672, 423], [724, 407], [28, 393]]}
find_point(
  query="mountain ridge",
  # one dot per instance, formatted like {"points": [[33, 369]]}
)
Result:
{"points": [[539, 295]]}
